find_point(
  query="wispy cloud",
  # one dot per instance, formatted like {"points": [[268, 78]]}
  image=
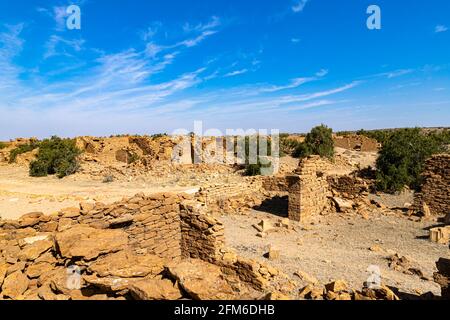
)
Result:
{"points": [[56, 41], [151, 31], [440, 28], [299, 6], [11, 45], [398, 73], [294, 83], [236, 73], [213, 23]]}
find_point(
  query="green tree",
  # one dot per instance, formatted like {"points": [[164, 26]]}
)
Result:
{"points": [[56, 156], [402, 157], [24, 148], [318, 142]]}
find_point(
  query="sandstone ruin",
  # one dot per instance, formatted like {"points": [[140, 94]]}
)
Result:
{"points": [[173, 244]]}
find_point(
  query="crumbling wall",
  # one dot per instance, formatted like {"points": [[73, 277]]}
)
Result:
{"points": [[166, 225], [356, 142], [276, 184], [151, 222], [202, 236], [234, 197], [348, 187], [309, 189], [435, 191]]}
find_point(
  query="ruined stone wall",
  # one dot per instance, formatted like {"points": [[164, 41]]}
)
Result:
{"points": [[276, 184], [233, 197], [202, 236], [348, 187], [309, 189], [356, 142], [435, 191], [165, 224]]}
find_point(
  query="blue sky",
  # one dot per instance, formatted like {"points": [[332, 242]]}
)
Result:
{"points": [[154, 66]]}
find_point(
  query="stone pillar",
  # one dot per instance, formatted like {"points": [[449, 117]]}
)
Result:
{"points": [[294, 209]]}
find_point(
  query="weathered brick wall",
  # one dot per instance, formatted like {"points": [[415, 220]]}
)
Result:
{"points": [[234, 197], [356, 142], [202, 236], [348, 187], [276, 184], [309, 189], [435, 191], [162, 224]]}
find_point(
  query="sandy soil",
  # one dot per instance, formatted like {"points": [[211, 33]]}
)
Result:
{"points": [[338, 248], [20, 194]]}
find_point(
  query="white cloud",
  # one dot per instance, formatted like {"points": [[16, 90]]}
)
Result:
{"points": [[63, 44], [151, 31], [440, 28], [195, 41], [60, 15], [11, 45], [213, 23], [236, 73], [295, 40], [398, 73], [322, 73], [295, 82], [299, 6]]}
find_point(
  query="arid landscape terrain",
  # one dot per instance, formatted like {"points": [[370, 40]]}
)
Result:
{"points": [[132, 223]]}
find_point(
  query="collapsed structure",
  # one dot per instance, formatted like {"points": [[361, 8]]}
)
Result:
{"points": [[134, 247], [172, 246]]}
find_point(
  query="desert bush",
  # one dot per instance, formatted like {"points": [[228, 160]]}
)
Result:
{"points": [[24, 148], [56, 156], [381, 136], [133, 158], [402, 157], [158, 135], [3, 145], [318, 142], [255, 169], [288, 146]]}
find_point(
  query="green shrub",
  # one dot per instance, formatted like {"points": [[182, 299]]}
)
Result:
{"points": [[382, 136], [24, 148], [133, 158], [56, 156], [318, 142], [402, 157], [158, 135], [255, 169], [3, 145], [288, 145]]}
